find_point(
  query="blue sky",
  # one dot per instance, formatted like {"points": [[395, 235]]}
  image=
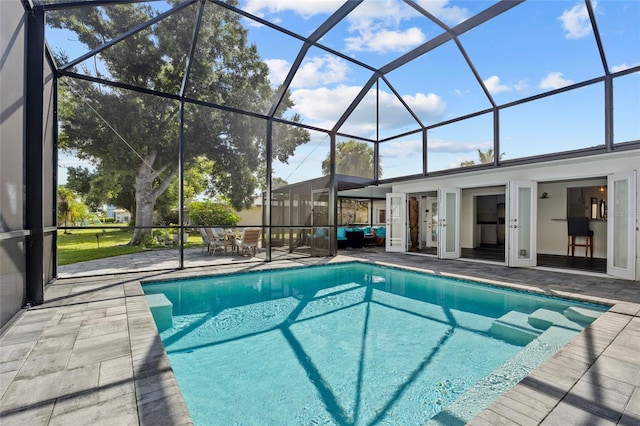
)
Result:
{"points": [[532, 48]]}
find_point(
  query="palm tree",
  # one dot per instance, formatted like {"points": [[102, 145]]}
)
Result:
{"points": [[484, 158]]}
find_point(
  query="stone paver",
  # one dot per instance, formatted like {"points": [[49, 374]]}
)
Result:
{"points": [[92, 355]]}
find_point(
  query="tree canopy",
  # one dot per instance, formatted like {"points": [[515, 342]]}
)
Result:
{"points": [[71, 211], [208, 213], [135, 136], [353, 158], [95, 188]]}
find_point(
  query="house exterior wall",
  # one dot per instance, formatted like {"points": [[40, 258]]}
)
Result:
{"points": [[553, 177], [121, 216], [251, 216], [12, 128]]}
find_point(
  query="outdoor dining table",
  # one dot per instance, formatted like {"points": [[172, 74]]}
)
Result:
{"points": [[230, 236]]}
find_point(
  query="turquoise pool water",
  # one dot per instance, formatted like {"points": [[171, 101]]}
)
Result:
{"points": [[353, 344]]}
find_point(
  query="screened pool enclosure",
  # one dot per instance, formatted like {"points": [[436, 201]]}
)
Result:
{"points": [[150, 106]]}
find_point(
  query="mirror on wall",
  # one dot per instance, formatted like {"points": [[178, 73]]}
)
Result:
{"points": [[603, 209]]}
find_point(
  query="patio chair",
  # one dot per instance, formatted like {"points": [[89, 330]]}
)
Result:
{"points": [[218, 241], [341, 237], [321, 238], [248, 241], [206, 241]]}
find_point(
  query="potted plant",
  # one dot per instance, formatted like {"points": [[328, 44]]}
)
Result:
{"points": [[176, 236]]}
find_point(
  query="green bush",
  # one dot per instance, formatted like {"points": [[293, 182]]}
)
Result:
{"points": [[109, 220], [169, 217], [147, 241], [209, 213], [162, 236]]}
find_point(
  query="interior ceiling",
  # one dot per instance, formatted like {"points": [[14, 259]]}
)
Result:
{"points": [[438, 26]]}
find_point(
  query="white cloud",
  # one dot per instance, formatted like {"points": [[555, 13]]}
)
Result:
{"points": [[521, 86], [395, 11], [278, 70], [576, 21], [362, 121], [554, 80], [375, 27], [393, 115], [451, 15], [624, 66], [430, 105], [493, 85], [402, 149], [383, 40], [323, 107], [384, 13], [439, 145], [316, 71], [313, 72], [306, 9]]}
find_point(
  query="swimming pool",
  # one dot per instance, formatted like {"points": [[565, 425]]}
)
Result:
{"points": [[353, 343]]}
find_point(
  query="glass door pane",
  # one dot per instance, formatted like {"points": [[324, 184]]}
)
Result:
{"points": [[432, 222], [621, 226], [396, 240], [522, 220], [449, 223]]}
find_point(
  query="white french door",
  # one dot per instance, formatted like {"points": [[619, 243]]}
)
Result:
{"points": [[621, 225], [396, 237], [521, 215], [449, 223]]}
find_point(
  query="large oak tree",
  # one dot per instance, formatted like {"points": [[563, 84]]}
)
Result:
{"points": [[353, 158], [134, 136]]}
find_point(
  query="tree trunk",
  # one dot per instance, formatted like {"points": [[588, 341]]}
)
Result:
{"points": [[145, 200], [146, 196]]}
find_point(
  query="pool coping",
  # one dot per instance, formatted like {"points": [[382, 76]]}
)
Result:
{"points": [[100, 329]]}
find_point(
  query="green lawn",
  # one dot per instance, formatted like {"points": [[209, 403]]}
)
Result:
{"points": [[80, 245]]}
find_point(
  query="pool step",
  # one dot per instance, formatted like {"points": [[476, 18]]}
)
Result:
{"points": [[161, 309], [514, 327], [582, 315], [545, 318], [503, 378]]}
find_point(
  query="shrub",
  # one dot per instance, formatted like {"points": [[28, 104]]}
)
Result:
{"points": [[210, 213], [147, 240], [160, 234]]}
